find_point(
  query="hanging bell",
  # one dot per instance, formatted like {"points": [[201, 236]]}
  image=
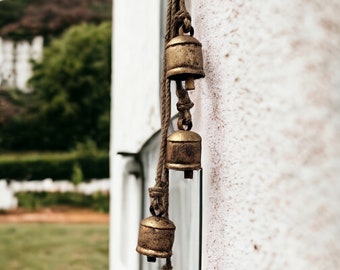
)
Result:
{"points": [[184, 152], [156, 237], [184, 60]]}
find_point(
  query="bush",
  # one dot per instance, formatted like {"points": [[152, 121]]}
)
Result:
{"points": [[35, 200], [77, 174], [55, 166]]}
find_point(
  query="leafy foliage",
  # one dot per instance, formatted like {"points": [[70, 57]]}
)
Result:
{"points": [[11, 103], [71, 98], [77, 174]]}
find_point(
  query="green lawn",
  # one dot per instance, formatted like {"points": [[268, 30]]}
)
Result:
{"points": [[54, 246]]}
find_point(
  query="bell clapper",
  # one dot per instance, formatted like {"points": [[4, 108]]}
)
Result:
{"points": [[190, 83], [189, 174], [151, 259]]}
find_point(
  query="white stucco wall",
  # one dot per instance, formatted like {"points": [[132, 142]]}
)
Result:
{"points": [[269, 114], [135, 117], [136, 45]]}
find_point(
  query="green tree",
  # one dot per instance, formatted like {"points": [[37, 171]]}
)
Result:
{"points": [[71, 101]]}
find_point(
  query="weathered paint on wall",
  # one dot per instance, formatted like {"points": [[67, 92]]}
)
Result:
{"points": [[269, 114]]}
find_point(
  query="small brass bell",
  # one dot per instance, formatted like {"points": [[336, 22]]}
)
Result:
{"points": [[184, 152], [156, 237], [184, 60]]}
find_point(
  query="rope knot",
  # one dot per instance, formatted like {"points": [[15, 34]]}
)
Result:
{"points": [[183, 18], [156, 192], [184, 106]]}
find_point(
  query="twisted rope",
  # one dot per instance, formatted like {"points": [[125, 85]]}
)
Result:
{"points": [[159, 204]]}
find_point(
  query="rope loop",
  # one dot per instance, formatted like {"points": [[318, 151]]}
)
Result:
{"points": [[157, 205], [184, 124], [183, 20]]}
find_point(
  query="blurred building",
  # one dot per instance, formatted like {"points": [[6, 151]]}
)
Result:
{"points": [[268, 113], [15, 58]]}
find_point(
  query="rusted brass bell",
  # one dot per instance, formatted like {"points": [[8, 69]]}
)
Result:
{"points": [[184, 60], [184, 152], [156, 237]]}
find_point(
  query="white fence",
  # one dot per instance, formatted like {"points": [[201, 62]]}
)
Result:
{"points": [[9, 201]]}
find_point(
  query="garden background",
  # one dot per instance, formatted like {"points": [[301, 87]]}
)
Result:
{"points": [[56, 130]]}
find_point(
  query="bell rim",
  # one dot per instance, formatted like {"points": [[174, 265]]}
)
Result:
{"points": [[177, 73], [153, 253], [183, 167]]}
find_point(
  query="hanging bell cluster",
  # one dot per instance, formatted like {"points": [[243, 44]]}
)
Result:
{"points": [[156, 237], [184, 60]]}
